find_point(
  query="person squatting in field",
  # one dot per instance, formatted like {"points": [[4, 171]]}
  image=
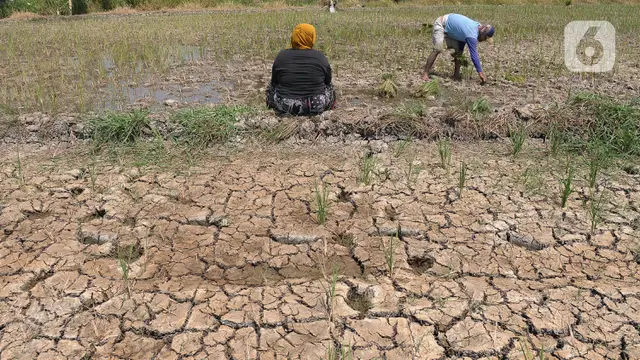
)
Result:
{"points": [[455, 31], [301, 77]]}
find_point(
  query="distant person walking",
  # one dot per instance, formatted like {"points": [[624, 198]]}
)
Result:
{"points": [[301, 77], [454, 31]]}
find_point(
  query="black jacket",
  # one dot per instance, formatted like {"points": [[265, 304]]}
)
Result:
{"points": [[300, 73]]}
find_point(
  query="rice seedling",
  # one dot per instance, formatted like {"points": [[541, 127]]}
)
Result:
{"points": [[464, 61], [330, 287], [93, 173], [18, 165], [414, 168], [389, 253], [332, 292], [345, 352], [517, 138], [595, 211], [401, 147], [567, 187], [444, 151], [429, 88], [462, 178], [388, 88], [532, 181], [528, 355], [556, 140], [597, 159], [465, 66], [119, 128], [124, 259], [322, 203], [417, 345], [368, 165]]}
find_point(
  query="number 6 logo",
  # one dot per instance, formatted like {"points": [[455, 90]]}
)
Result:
{"points": [[589, 46]]}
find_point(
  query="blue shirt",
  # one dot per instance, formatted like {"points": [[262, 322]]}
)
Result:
{"points": [[464, 30]]}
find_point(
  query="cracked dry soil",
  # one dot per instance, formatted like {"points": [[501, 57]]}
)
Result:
{"points": [[228, 262]]}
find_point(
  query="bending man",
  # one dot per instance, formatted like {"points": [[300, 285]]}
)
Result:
{"points": [[455, 31]]}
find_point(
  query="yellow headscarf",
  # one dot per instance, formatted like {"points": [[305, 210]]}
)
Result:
{"points": [[303, 37]]}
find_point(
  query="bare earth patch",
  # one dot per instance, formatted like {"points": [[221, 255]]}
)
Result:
{"points": [[142, 266]]}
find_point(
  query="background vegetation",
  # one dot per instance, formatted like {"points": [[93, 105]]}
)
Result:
{"points": [[85, 64], [61, 7]]}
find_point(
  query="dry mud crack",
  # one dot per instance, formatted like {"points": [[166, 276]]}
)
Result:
{"points": [[228, 262]]}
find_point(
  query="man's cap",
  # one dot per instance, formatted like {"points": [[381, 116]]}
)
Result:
{"points": [[491, 31]]}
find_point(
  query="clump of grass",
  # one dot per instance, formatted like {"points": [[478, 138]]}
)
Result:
{"points": [[119, 128], [444, 150], [406, 121], [560, 140], [388, 88], [367, 167], [462, 178], [204, 126], [586, 97], [154, 153], [567, 188], [568, 2], [616, 126], [410, 111], [519, 79], [281, 132], [429, 88], [322, 203], [480, 107], [517, 137]]}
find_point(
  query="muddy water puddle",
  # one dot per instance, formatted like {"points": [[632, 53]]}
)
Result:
{"points": [[120, 92], [156, 96]]}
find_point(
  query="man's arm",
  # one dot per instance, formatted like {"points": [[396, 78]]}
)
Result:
{"points": [[473, 51]]}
